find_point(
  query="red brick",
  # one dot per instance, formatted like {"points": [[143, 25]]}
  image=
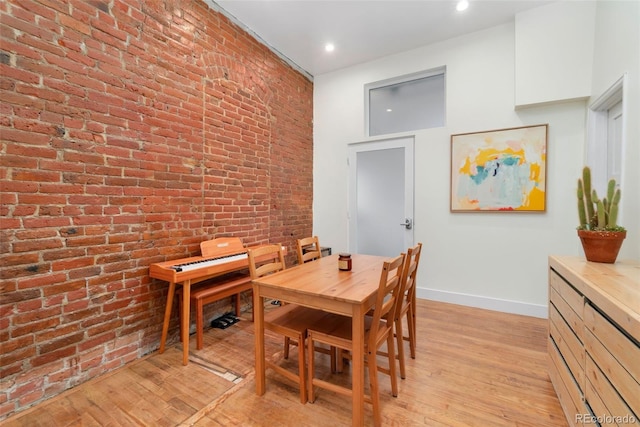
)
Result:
{"points": [[77, 310], [17, 344], [21, 136], [75, 24], [96, 341], [41, 281], [71, 263], [61, 60], [9, 223], [41, 93], [19, 355], [36, 315], [69, 253], [91, 359], [34, 326], [32, 154], [60, 343], [46, 222], [85, 82], [35, 175], [38, 9], [53, 356], [21, 77], [22, 259], [26, 198], [29, 305], [51, 334]]}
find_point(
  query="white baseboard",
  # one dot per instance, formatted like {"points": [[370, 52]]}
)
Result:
{"points": [[506, 306]]}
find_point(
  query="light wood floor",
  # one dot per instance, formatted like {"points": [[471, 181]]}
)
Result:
{"points": [[473, 368]]}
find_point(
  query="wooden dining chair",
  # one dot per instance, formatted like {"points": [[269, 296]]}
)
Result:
{"points": [[288, 320], [308, 249], [406, 307], [336, 331]]}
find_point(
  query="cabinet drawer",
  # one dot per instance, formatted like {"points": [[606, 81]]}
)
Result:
{"points": [[574, 299], [602, 340], [566, 310], [565, 385], [568, 344], [603, 399]]}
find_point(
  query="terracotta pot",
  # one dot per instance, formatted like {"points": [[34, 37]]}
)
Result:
{"points": [[601, 246]]}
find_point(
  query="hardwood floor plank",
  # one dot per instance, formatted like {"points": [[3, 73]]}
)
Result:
{"points": [[473, 368]]}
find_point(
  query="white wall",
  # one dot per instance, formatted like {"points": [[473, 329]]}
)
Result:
{"points": [[496, 261], [617, 51]]}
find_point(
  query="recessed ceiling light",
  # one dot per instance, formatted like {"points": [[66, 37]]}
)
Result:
{"points": [[329, 47], [389, 110], [462, 5]]}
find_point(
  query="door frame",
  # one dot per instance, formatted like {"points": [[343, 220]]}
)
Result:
{"points": [[597, 133], [406, 142]]}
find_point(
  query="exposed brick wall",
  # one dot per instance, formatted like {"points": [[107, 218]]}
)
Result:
{"points": [[131, 131]]}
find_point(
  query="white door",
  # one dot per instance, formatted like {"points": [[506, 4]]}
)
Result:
{"points": [[381, 197]]}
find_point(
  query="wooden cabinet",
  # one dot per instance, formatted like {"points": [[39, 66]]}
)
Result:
{"points": [[594, 340]]}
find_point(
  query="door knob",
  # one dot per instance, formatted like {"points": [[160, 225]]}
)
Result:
{"points": [[408, 223]]}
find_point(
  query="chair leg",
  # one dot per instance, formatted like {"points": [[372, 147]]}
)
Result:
{"points": [[180, 312], [311, 371], [373, 382], [237, 301], [339, 359], [302, 369], [199, 324], [333, 352], [400, 342], [411, 325], [392, 365], [287, 343], [412, 341], [253, 309]]}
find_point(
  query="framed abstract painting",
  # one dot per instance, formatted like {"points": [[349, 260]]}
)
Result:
{"points": [[499, 170]]}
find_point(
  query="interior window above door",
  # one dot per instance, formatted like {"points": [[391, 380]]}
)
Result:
{"points": [[406, 103]]}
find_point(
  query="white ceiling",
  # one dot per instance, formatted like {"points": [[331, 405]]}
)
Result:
{"points": [[361, 30]]}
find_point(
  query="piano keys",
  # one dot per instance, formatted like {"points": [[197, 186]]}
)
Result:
{"points": [[197, 269], [193, 265]]}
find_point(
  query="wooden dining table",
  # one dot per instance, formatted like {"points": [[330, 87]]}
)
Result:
{"points": [[320, 284]]}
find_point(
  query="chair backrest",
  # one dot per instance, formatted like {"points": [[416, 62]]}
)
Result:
{"points": [[389, 294], [265, 260], [308, 249], [221, 246], [409, 273]]}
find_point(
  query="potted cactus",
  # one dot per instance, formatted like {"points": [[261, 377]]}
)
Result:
{"points": [[599, 232]]}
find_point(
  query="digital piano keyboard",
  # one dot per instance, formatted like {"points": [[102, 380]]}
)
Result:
{"points": [[198, 268]]}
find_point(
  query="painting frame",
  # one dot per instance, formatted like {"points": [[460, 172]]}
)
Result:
{"points": [[501, 170]]}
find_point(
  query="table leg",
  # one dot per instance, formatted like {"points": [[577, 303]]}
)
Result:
{"points": [[167, 316], [258, 323], [186, 305], [358, 366]]}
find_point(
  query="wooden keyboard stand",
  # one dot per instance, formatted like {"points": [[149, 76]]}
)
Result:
{"points": [[204, 295]]}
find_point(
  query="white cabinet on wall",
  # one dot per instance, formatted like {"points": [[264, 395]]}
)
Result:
{"points": [[554, 47]]}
